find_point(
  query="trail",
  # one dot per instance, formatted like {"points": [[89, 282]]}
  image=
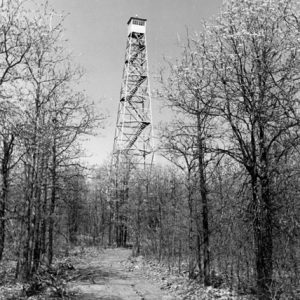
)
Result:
{"points": [[104, 276]]}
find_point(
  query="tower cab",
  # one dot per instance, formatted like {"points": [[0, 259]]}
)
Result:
{"points": [[136, 25]]}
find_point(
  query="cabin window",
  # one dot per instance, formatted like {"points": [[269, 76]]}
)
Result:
{"points": [[138, 22]]}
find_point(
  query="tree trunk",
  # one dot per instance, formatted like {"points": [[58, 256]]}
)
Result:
{"points": [[7, 152], [263, 226], [52, 203], [110, 226], [137, 246], [37, 241], [44, 218], [24, 259], [199, 256], [190, 234], [160, 212], [264, 244], [204, 202]]}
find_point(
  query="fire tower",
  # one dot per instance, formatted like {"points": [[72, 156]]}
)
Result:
{"points": [[133, 142]]}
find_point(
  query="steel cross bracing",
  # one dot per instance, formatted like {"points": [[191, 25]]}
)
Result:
{"points": [[133, 143]]}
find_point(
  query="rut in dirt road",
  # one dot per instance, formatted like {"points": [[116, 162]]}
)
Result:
{"points": [[104, 276]]}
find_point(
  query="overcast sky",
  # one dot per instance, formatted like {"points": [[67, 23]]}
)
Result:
{"points": [[96, 30]]}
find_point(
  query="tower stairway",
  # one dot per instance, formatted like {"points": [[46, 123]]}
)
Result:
{"points": [[134, 57], [143, 125], [133, 91]]}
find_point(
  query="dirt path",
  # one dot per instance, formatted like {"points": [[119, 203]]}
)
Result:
{"points": [[104, 276]]}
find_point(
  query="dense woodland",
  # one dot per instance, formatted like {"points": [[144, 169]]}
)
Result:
{"points": [[224, 210], [42, 119]]}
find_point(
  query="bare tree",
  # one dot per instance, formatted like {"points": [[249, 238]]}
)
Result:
{"points": [[188, 91], [14, 45], [253, 51], [56, 116], [178, 145]]}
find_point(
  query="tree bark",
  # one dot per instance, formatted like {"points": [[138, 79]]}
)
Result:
{"points": [[44, 218], [52, 202], [7, 152], [263, 228], [204, 202], [190, 233]]}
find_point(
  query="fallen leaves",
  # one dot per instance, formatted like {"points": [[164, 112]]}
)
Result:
{"points": [[178, 285]]}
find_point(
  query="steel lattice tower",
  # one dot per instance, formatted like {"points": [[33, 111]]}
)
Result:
{"points": [[133, 143]]}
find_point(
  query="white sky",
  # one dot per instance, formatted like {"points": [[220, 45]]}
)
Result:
{"points": [[96, 30]]}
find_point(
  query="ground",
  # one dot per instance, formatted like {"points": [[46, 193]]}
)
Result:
{"points": [[109, 274], [105, 275]]}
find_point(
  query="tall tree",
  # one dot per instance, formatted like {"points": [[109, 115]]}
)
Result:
{"points": [[56, 116], [253, 48], [14, 45], [188, 91]]}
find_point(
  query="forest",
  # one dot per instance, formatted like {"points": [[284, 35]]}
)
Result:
{"points": [[224, 210]]}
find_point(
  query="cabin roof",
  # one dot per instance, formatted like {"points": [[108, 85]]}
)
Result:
{"points": [[136, 18]]}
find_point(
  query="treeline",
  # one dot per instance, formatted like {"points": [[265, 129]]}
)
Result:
{"points": [[228, 210], [237, 89], [42, 118]]}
